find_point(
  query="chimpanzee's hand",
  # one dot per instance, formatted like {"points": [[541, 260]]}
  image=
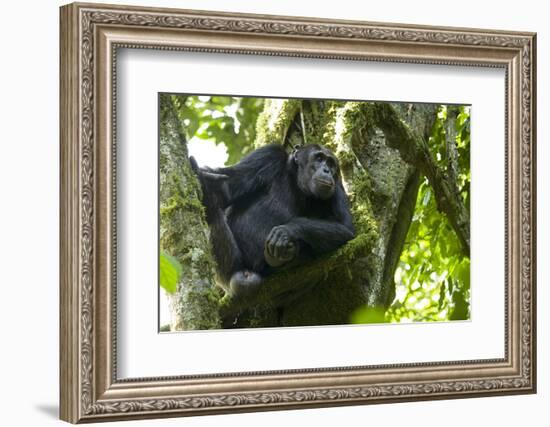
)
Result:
{"points": [[279, 248]]}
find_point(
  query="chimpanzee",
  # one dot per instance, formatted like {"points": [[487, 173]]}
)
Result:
{"points": [[273, 209]]}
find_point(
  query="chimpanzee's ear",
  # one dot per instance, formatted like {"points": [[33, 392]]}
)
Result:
{"points": [[292, 161], [294, 154]]}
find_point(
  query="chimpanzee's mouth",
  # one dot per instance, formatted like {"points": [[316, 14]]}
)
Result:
{"points": [[324, 183]]}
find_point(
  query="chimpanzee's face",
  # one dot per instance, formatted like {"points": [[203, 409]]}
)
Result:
{"points": [[318, 171]]}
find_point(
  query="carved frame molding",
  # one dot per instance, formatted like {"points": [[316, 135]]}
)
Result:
{"points": [[90, 36]]}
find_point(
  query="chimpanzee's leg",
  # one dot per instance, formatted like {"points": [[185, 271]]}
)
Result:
{"points": [[226, 251], [231, 271]]}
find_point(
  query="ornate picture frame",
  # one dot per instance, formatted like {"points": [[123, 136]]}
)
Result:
{"points": [[90, 37]]}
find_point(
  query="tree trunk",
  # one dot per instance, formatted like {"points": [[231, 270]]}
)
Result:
{"points": [[380, 150], [184, 232]]}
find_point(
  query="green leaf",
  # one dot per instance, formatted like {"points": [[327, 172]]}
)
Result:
{"points": [[170, 272], [369, 315], [461, 309], [463, 273]]}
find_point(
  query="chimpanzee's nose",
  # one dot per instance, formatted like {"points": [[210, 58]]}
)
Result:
{"points": [[326, 169]]}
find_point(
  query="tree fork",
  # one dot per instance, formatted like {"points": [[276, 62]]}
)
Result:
{"points": [[414, 150]]}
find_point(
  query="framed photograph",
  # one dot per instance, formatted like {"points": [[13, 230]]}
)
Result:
{"points": [[267, 212]]}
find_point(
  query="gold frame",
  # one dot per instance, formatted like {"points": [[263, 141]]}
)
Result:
{"points": [[90, 36]]}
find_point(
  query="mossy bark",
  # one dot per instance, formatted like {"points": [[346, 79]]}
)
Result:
{"points": [[414, 150], [394, 190], [184, 231]]}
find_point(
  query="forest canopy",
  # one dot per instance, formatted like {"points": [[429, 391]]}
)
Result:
{"points": [[406, 169]]}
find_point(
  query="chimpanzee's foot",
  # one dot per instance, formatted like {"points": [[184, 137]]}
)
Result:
{"points": [[245, 282]]}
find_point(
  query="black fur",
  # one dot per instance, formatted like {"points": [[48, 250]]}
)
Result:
{"points": [[272, 210]]}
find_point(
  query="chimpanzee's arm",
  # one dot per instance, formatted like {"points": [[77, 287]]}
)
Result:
{"points": [[319, 234], [254, 172], [324, 235]]}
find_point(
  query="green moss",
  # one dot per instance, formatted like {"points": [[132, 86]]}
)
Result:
{"points": [[361, 206], [341, 266], [274, 121], [330, 303], [196, 307], [176, 201], [338, 289], [359, 246], [344, 119], [182, 214], [184, 234]]}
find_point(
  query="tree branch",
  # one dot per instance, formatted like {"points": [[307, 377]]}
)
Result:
{"points": [[398, 236], [415, 151], [277, 289], [450, 143]]}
